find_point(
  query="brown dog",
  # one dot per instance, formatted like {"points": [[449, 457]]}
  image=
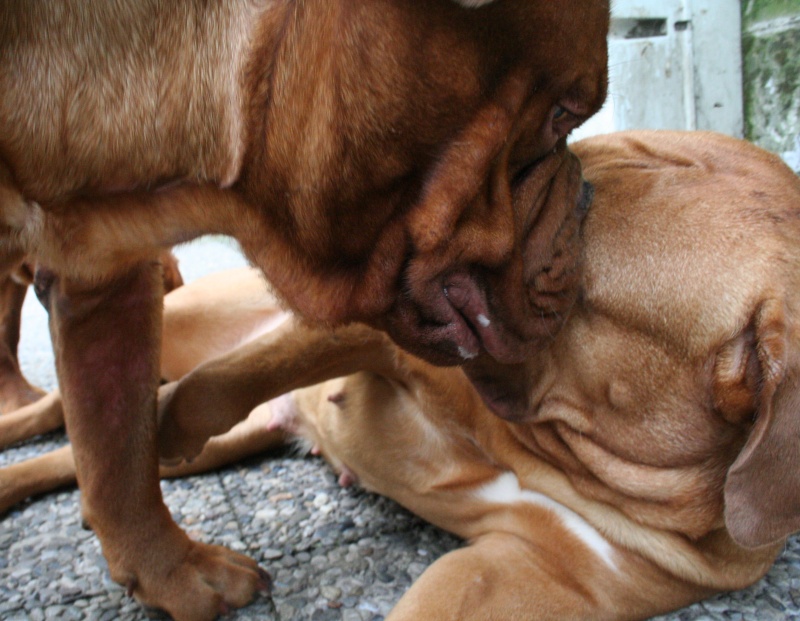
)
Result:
{"points": [[396, 162], [657, 463]]}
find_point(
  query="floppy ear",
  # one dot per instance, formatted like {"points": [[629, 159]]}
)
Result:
{"points": [[762, 491]]}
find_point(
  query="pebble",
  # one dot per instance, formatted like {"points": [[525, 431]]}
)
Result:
{"points": [[334, 553], [330, 592]]}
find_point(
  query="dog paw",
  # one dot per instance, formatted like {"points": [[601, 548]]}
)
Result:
{"points": [[181, 436], [9, 491], [208, 581]]}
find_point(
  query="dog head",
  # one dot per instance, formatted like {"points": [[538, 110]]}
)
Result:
{"points": [[717, 282], [682, 354], [421, 149]]}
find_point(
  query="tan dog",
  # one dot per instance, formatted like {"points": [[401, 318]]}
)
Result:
{"points": [[396, 162], [657, 463]]}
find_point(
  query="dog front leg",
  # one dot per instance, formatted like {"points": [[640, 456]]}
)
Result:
{"points": [[499, 577], [106, 339], [34, 419], [216, 395], [38, 475]]}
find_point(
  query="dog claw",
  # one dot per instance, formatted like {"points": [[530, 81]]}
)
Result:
{"points": [[264, 582]]}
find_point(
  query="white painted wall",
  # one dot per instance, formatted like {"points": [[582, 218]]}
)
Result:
{"points": [[673, 64]]}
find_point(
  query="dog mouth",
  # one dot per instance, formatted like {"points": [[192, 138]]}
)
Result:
{"points": [[502, 314], [469, 301], [472, 340], [494, 322], [454, 326]]}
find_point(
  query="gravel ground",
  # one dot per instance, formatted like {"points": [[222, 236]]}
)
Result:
{"points": [[338, 554]]}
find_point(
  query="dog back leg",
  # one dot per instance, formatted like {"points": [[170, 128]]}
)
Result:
{"points": [[39, 417], [35, 476], [106, 338], [15, 391]]}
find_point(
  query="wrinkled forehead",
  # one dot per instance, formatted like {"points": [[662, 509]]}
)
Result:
{"points": [[631, 371], [551, 34], [457, 54]]}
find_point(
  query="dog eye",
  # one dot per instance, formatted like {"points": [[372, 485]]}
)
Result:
{"points": [[564, 121]]}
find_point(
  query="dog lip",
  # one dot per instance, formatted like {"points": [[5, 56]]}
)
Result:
{"points": [[469, 301], [438, 333], [449, 322]]}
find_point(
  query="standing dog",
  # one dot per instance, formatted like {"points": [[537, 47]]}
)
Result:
{"points": [[657, 461], [396, 162]]}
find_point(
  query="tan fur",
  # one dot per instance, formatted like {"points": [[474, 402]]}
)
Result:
{"points": [[638, 409]]}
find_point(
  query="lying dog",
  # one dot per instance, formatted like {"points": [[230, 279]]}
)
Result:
{"points": [[395, 162], [657, 462]]}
